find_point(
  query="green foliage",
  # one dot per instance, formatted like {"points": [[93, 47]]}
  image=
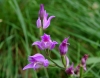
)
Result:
{"points": [[78, 19]]}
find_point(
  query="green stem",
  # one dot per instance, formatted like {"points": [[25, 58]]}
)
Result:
{"points": [[63, 60], [81, 71], [45, 70], [69, 76], [35, 74], [41, 31], [46, 73], [48, 51], [55, 63]]}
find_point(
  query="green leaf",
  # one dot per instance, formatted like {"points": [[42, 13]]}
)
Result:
{"points": [[93, 60]]}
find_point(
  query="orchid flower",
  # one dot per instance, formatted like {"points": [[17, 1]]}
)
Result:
{"points": [[45, 43], [43, 20], [36, 61]]}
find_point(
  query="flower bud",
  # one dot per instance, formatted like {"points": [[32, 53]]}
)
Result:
{"points": [[41, 11], [84, 58], [77, 69], [83, 61], [70, 70], [63, 48]]}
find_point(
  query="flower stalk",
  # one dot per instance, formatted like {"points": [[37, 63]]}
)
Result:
{"points": [[40, 31], [55, 63], [81, 71]]}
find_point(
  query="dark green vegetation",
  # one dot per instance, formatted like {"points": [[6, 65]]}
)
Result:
{"points": [[79, 19]]}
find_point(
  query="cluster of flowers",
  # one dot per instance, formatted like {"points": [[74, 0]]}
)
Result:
{"points": [[38, 60]]}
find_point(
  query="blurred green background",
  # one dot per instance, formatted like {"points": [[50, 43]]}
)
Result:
{"points": [[77, 19]]}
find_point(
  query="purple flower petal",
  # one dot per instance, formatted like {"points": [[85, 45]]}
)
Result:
{"points": [[77, 69], [41, 11], [84, 58], [31, 59], [63, 48], [47, 22], [37, 65], [70, 70], [53, 45], [45, 19], [37, 57], [84, 67], [67, 61], [45, 38], [46, 63], [28, 66], [83, 61], [45, 14], [38, 43], [38, 22]]}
